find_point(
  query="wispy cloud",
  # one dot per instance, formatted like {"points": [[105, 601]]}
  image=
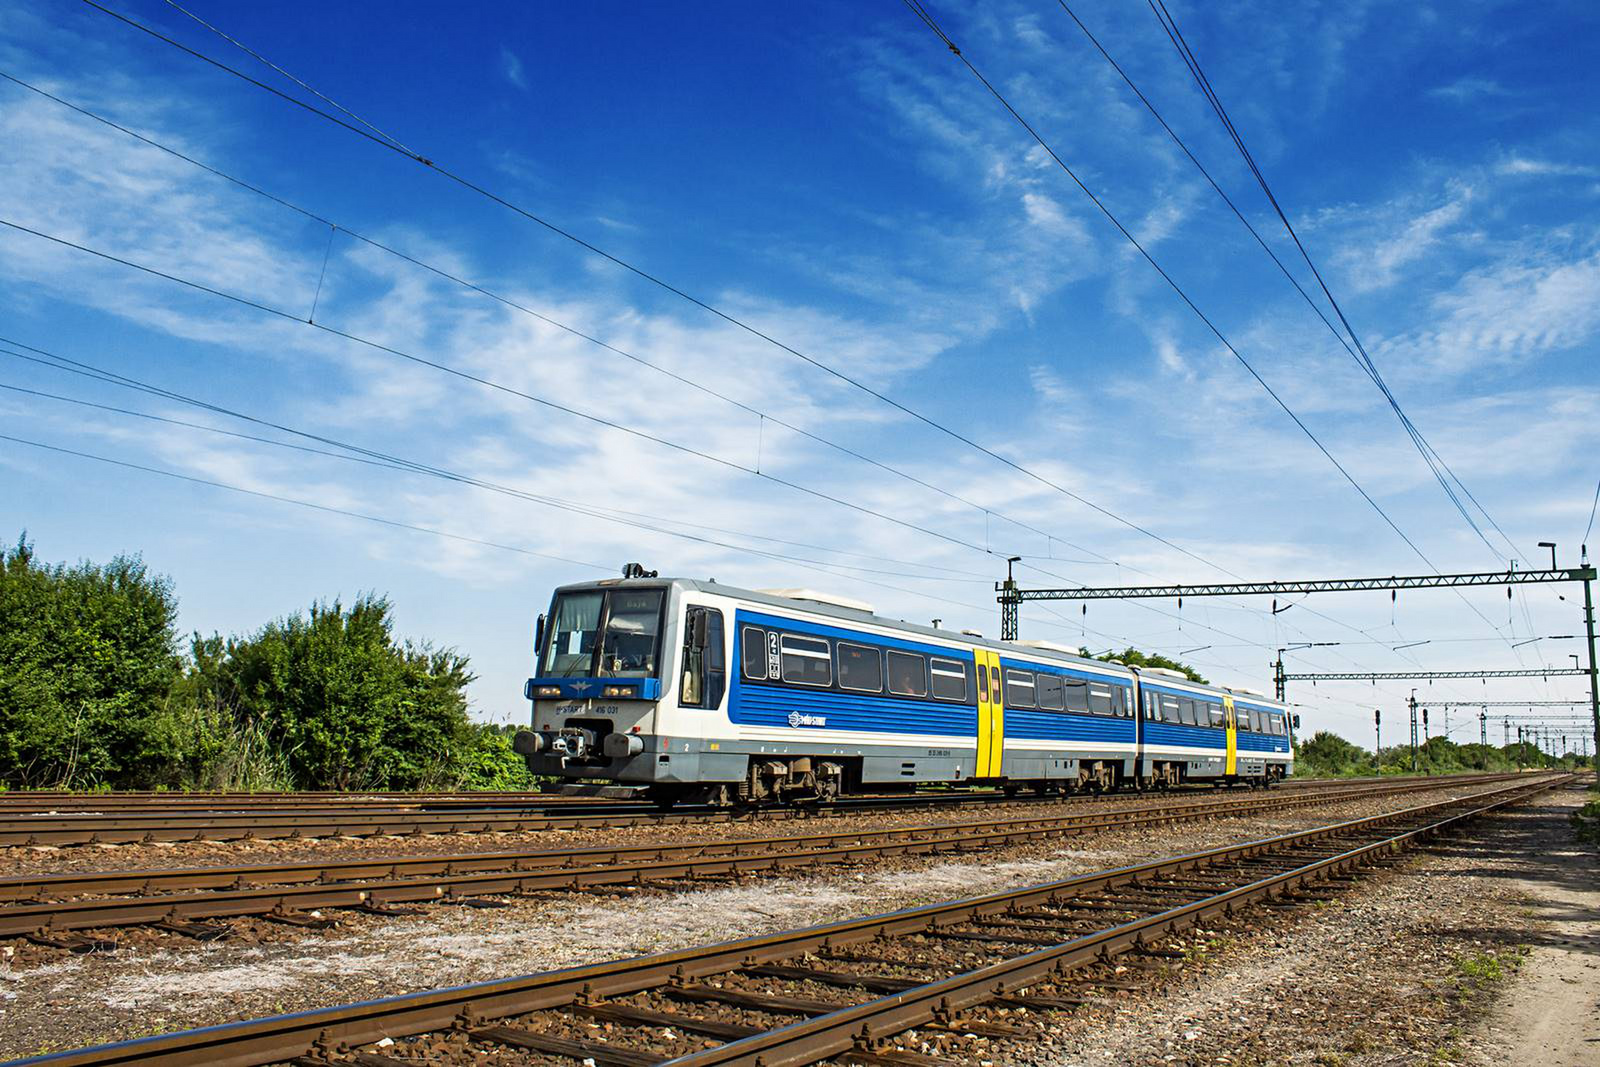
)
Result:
{"points": [[511, 68], [1468, 89]]}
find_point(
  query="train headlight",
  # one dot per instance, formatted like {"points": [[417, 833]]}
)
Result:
{"points": [[620, 691], [549, 691]]}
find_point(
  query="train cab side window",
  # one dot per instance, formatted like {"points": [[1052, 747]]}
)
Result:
{"points": [[860, 668], [805, 660], [753, 652], [705, 672], [1050, 694], [1077, 695], [950, 679], [1020, 689], [908, 675], [1101, 699]]}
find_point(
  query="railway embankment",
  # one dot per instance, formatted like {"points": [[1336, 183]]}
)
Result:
{"points": [[174, 983]]}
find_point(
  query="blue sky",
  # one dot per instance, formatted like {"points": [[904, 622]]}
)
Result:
{"points": [[832, 176]]}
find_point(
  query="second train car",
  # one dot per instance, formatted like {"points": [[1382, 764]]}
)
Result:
{"points": [[701, 692]]}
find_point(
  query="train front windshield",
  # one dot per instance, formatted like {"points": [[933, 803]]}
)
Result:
{"points": [[613, 633]]}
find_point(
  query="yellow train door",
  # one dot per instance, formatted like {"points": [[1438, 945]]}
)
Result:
{"points": [[991, 714], [1230, 719]]}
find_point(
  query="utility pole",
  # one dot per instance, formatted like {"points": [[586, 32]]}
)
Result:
{"points": [[1277, 677], [1010, 604], [1413, 705], [1588, 622], [1521, 748]]}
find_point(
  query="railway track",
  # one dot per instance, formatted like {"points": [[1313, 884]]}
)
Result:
{"points": [[51, 827], [841, 990], [51, 909]]}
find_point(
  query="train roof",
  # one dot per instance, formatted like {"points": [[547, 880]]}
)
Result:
{"points": [[849, 610]]}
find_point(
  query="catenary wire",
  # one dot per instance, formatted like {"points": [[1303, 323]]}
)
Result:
{"points": [[1362, 359], [655, 280], [1435, 462], [920, 11], [600, 252], [334, 226]]}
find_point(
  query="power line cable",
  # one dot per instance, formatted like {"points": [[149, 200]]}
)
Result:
{"points": [[1434, 461], [489, 383], [441, 272], [360, 454], [921, 12], [630, 267], [733, 320], [653, 279]]}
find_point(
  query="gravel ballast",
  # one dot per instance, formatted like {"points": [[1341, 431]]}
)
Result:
{"points": [[153, 988]]}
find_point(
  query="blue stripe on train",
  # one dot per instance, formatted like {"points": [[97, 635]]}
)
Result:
{"points": [[1026, 725]]}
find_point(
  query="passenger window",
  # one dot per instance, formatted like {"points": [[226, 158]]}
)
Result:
{"points": [[1019, 689], [1077, 695], [1050, 695], [860, 668], [1214, 715], [949, 679], [753, 652], [1169, 709], [1243, 715], [908, 675], [805, 660], [1100, 699]]}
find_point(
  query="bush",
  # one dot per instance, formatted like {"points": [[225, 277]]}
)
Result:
{"points": [[94, 694], [1586, 821], [343, 705], [87, 661]]}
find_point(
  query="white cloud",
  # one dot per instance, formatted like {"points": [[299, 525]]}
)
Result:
{"points": [[1523, 167], [511, 68], [1468, 89]]}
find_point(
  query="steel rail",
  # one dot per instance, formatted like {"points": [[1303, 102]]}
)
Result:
{"points": [[332, 1031], [144, 827], [378, 882], [835, 1033]]}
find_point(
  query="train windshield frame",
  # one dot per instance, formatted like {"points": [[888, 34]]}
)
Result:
{"points": [[605, 633]]}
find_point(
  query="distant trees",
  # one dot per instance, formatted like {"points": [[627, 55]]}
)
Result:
{"points": [[94, 693], [1327, 755], [1134, 658]]}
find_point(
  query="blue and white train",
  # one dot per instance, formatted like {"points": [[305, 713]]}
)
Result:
{"points": [[701, 692]]}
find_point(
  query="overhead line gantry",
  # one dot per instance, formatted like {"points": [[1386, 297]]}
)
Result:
{"points": [[1012, 596]]}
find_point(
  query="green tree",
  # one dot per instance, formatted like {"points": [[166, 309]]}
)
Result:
{"points": [[1134, 658], [88, 655], [1327, 755]]}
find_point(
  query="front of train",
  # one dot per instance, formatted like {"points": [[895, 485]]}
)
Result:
{"points": [[599, 675]]}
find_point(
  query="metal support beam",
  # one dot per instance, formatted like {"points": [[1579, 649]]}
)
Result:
{"points": [[1308, 585], [1373, 676]]}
